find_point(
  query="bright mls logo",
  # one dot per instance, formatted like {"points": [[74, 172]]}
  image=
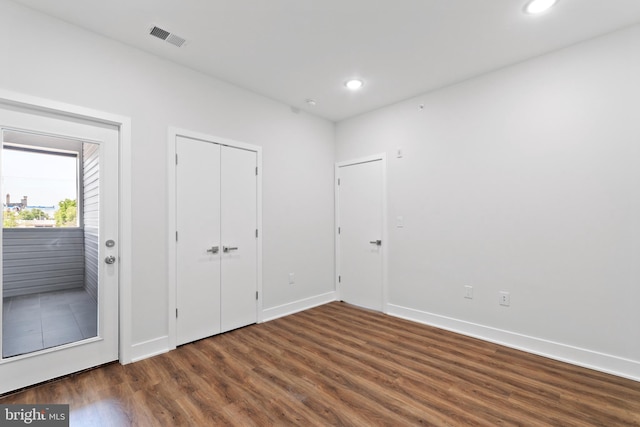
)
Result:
{"points": [[34, 415]]}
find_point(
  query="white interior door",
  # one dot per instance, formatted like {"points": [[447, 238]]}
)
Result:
{"points": [[70, 340], [216, 248], [198, 248], [239, 239], [360, 219]]}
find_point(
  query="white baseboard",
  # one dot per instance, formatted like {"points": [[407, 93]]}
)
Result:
{"points": [[614, 365], [149, 348], [296, 306]]}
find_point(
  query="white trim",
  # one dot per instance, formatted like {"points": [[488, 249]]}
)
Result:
{"points": [[150, 348], [123, 124], [260, 233], [336, 235], [126, 239], [172, 134], [171, 237], [607, 363], [366, 159], [297, 306], [385, 235]]}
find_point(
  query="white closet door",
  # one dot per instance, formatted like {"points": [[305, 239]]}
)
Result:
{"points": [[360, 219], [240, 247], [198, 247]]}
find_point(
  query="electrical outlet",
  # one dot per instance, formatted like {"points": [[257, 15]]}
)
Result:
{"points": [[468, 292], [504, 298], [292, 278]]}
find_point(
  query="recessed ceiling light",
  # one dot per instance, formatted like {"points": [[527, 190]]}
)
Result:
{"points": [[354, 84], [311, 102], [535, 7]]}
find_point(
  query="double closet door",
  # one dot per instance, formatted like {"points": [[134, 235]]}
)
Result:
{"points": [[216, 250]]}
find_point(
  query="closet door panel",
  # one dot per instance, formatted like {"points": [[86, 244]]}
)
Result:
{"points": [[198, 241], [238, 227]]}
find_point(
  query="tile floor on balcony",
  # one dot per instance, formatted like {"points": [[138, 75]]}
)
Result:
{"points": [[38, 321]]}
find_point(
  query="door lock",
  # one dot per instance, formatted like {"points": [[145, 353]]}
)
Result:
{"points": [[110, 259], [376, 242], [213, 250]]}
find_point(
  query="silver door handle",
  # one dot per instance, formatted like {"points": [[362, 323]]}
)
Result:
{"points": [[227, 249], [376, 242], [213, 250], [110, 259]]}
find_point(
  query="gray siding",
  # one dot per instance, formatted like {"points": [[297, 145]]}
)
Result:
{"points": [[41, 259], [91, 215]]}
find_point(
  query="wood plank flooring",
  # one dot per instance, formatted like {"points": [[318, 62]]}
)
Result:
{"points": [[340, 365]]}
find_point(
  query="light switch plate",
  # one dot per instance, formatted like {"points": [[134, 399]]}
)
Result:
{"points": [[468, 291]]}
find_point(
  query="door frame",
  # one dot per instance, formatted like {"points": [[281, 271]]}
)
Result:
{"points": [[172, 134], [382, 157], [123, 124]]}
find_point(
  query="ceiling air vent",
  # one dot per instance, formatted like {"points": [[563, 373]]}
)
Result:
{"points": [[167, 36], [175, 40]]}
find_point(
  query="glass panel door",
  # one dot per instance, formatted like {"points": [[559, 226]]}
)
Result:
{"points": [[59, 275], [49, 240]]}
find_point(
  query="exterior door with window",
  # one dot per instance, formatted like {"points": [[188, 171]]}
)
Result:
{"points": [[59, 246]]}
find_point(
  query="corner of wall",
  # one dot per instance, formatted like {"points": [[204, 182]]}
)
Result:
{"points": [[296, 306], [147, 349]]}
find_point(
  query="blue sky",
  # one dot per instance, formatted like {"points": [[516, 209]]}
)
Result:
{"points": [[44, 178]]}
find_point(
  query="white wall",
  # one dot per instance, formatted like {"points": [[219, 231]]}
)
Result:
{"points": [[47, 58], [525, 180]]}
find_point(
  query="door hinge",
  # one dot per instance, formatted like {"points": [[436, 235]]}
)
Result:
{"points": [[339, 279], [176, 236], [338, 181], [176, 313], [339, 230], [256, 295], [256, 170], [256, 233], [176, 159]]}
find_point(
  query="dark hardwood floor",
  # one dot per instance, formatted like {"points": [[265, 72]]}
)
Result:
{"points": [[340, 365]]}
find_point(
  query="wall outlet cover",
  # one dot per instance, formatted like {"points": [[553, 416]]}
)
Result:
{"points": [[504, 298]]}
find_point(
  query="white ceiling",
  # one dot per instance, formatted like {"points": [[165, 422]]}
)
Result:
{"points": [[291, 50]]}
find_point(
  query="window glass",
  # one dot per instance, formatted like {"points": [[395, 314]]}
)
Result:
{"points": [[40, 188]]}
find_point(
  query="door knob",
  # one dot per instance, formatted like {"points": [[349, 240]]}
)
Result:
{"points": [[110, 259], [376, 242], [213, 250], [227, 249]]}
